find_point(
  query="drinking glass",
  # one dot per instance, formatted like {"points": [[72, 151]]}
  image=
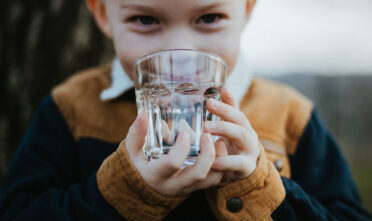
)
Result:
{"points": [[172, 86]]}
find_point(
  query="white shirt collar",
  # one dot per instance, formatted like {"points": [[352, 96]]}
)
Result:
{"points": [[120, 82], [239, 80], [237, 83]]}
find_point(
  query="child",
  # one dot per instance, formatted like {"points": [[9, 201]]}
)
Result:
{"points": [[82, 157]]}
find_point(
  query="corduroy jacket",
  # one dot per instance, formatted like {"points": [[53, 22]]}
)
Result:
{"points": [[72, 163]]}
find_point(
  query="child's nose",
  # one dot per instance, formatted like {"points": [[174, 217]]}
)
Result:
{"points": [[180, 38]]}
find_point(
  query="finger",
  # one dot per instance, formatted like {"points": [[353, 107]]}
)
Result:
{"points": [[228, 113], [238, 134], [166, 133], [213, 179], [228, 177], [227, 97], [221, 149], [241, 164], [184, 126], [204, 161], [137, 134], [170, 163]]}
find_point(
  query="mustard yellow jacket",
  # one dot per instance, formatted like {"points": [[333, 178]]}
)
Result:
{"points": [[72, 164]]}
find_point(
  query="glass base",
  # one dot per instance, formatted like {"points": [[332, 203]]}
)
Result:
{"points": [[189, 161], [156, 153]]}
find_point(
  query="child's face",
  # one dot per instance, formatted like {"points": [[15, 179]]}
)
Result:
{"points": [[141, 27]]}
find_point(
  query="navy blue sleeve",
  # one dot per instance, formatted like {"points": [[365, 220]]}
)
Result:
{"points": [[321, 186], [42, 182]]}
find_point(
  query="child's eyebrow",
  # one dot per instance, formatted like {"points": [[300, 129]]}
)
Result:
{"points": [[211, 6], [137, 7]]}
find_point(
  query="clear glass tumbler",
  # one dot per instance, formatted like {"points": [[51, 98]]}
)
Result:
{"points": [[172, 87]]}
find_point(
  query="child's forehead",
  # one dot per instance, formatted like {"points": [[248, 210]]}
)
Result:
{"points": [[165, 3], [178, 1]]}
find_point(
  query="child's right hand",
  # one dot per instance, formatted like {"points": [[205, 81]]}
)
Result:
{"points": [[165, 175]]}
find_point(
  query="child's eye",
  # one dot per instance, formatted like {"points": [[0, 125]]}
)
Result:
{"points": [[209, 18], [145, 20]]}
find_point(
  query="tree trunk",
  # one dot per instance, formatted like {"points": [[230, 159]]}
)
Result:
{"points": [[41, 43]]}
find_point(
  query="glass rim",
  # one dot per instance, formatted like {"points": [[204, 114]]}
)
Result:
{"points": [[209, 54]]}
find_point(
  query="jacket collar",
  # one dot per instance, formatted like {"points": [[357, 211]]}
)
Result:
{"points": [[237, 83]]}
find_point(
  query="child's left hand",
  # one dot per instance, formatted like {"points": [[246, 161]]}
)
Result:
{"points": [[238, 141]]}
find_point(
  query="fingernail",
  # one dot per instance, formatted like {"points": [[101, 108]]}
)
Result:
{"points": [[136, 122], [210, 126], [141, 114], [138, 116], [213, 102], [209, 138], [185, 134], [227, 90]]}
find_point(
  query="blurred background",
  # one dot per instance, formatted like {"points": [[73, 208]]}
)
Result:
{"points": [[321, 47]]}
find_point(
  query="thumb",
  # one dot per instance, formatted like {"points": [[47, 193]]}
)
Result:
{"points": [[136, 134], [227, 97]]}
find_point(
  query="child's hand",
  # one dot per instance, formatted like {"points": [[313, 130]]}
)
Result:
{"points": [[165, 175], [238, 146]]}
